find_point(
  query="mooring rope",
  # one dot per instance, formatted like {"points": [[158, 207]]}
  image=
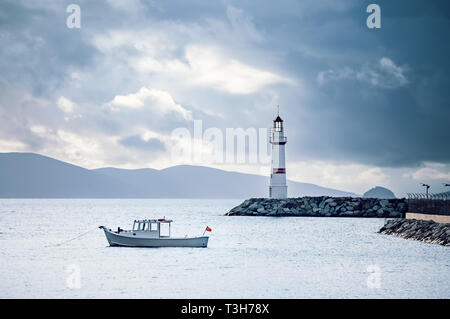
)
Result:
{"points": [[69, 240]]}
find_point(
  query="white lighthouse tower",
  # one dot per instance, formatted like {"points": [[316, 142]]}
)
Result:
{"points": [[278, 187]]}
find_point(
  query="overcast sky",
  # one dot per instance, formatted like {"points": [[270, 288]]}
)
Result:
{"points": [[362, 107]]}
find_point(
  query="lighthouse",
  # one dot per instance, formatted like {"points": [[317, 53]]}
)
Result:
{"points": [[278, 187]]}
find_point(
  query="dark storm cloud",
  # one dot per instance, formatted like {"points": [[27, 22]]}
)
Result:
{"points": [[346, 105], [38, 49], [395, 122], [418, 9]]}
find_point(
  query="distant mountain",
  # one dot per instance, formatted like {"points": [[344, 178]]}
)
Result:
{"points": [[379, 192], [185, 181], [28, 175]]}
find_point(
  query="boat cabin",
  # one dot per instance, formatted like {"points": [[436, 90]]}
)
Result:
{"points": [[152, 225]]}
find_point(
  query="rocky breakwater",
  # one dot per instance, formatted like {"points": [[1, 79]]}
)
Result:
{"points": [[427, 231], [323, 206]]}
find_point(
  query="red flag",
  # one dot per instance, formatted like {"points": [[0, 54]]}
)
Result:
{"points": [[208, 229]]}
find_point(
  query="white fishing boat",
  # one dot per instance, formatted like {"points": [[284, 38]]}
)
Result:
{"points": [[149, 233]]}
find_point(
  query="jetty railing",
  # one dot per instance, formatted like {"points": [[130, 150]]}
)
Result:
{"points": [[434, 204]]}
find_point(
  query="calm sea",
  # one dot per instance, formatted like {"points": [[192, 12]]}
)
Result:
{"points": [[247, 257]]}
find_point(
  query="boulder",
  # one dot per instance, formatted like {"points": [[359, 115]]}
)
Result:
{"points": [[427, 231], [321, 206]]}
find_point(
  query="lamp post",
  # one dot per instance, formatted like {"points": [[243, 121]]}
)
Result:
{"points": [[426, 188]]}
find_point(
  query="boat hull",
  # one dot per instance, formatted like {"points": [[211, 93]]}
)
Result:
{"points": [[115, 239]]}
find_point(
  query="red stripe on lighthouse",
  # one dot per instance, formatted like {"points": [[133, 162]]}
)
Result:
{"points": [[279, 171]]}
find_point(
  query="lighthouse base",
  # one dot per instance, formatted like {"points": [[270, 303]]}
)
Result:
{"points": [[278, 192]]}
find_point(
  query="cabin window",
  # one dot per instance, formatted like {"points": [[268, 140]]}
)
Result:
{"points": [[164, 229], [154, 226]]}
